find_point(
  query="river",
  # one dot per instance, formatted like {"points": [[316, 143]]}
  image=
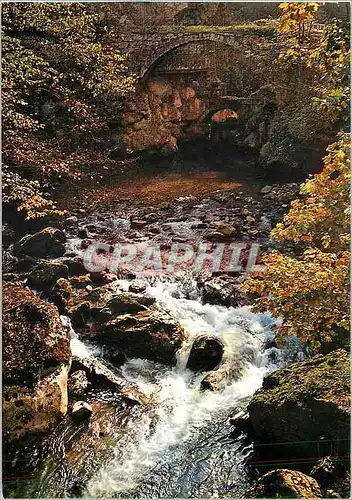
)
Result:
{"points": [[181, 444]]}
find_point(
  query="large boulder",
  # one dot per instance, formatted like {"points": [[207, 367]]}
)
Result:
{"points": [[309, 403], [99, 376], [206, 353], [36, 359], [285, 483], [46, 243], [150, 334], [46, 273]]}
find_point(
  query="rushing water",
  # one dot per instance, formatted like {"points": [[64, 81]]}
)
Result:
{"points": [[189, 450], [179, 445]]}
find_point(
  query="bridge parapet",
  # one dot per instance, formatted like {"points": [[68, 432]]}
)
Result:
{"points": [[144, 49]]}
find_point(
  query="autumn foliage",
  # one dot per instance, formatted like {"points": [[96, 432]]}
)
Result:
{"points": [[306, 282], [62, 87]]}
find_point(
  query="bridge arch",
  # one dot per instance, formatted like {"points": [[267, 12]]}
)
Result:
{"points": [[173, 43]]}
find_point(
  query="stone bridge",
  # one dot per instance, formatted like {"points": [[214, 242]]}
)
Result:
{"points": [[144, 50], [181, 84]]}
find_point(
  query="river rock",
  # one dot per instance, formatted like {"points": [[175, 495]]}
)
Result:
{"points": [[149, 334], [77, 383], [138, 224], [75, 265], [266, 189], [80, 282], [241, 421], [46, 243], [113, 355], [80, 314], [46, 273], [125, 303], [81, 411], [217, 292], [71, 221], [225, 228], [218, 379], [285, 483], [83, 233], [137, 286], [206, 353], [36, 358], [100, 377], [331, 473], [61, 294], [300, 405]]}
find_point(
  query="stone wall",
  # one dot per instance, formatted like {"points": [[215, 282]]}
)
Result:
{"points": [[163, 110], [166, 110]]}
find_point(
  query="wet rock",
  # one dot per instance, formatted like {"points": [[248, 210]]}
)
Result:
{"points": [[299, 403], [266, 189], [153, 335], [329, 471], [137, 286], [215, 236], [85, 243], [225, 228], [47, 243], [71, 221], [83, 233], [241, 421], [106, 277], [126, 303], [138, 224], [8, 234], [217, 291], [113, 355], [80, 314], [80, 282], [81, 411], [101, 377], [218, 379], [77, 383], [206, 353], [75, 265], [285, 483], [61, 294], [46, 273], [36, 358]]}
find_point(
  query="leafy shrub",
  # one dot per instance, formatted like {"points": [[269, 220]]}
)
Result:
{"points": [[25, 195], [309, 288]]}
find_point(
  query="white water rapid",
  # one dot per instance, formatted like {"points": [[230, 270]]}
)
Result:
{"points": [[182, 447]]}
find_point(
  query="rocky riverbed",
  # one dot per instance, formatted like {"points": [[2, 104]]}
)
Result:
{"points": [[136, 381]]}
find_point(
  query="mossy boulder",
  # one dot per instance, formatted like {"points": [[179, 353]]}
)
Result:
{"points": [[36, 359], [46, 273], [285, 483], [150, 334], [206, 353], [46, 243], [306, 404]]}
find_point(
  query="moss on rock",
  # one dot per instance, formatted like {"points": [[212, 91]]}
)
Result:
{"points": [[36, 358], [306, 404]]}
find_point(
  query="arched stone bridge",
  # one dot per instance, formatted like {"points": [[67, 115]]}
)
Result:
{"points": [[144, 50]]}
